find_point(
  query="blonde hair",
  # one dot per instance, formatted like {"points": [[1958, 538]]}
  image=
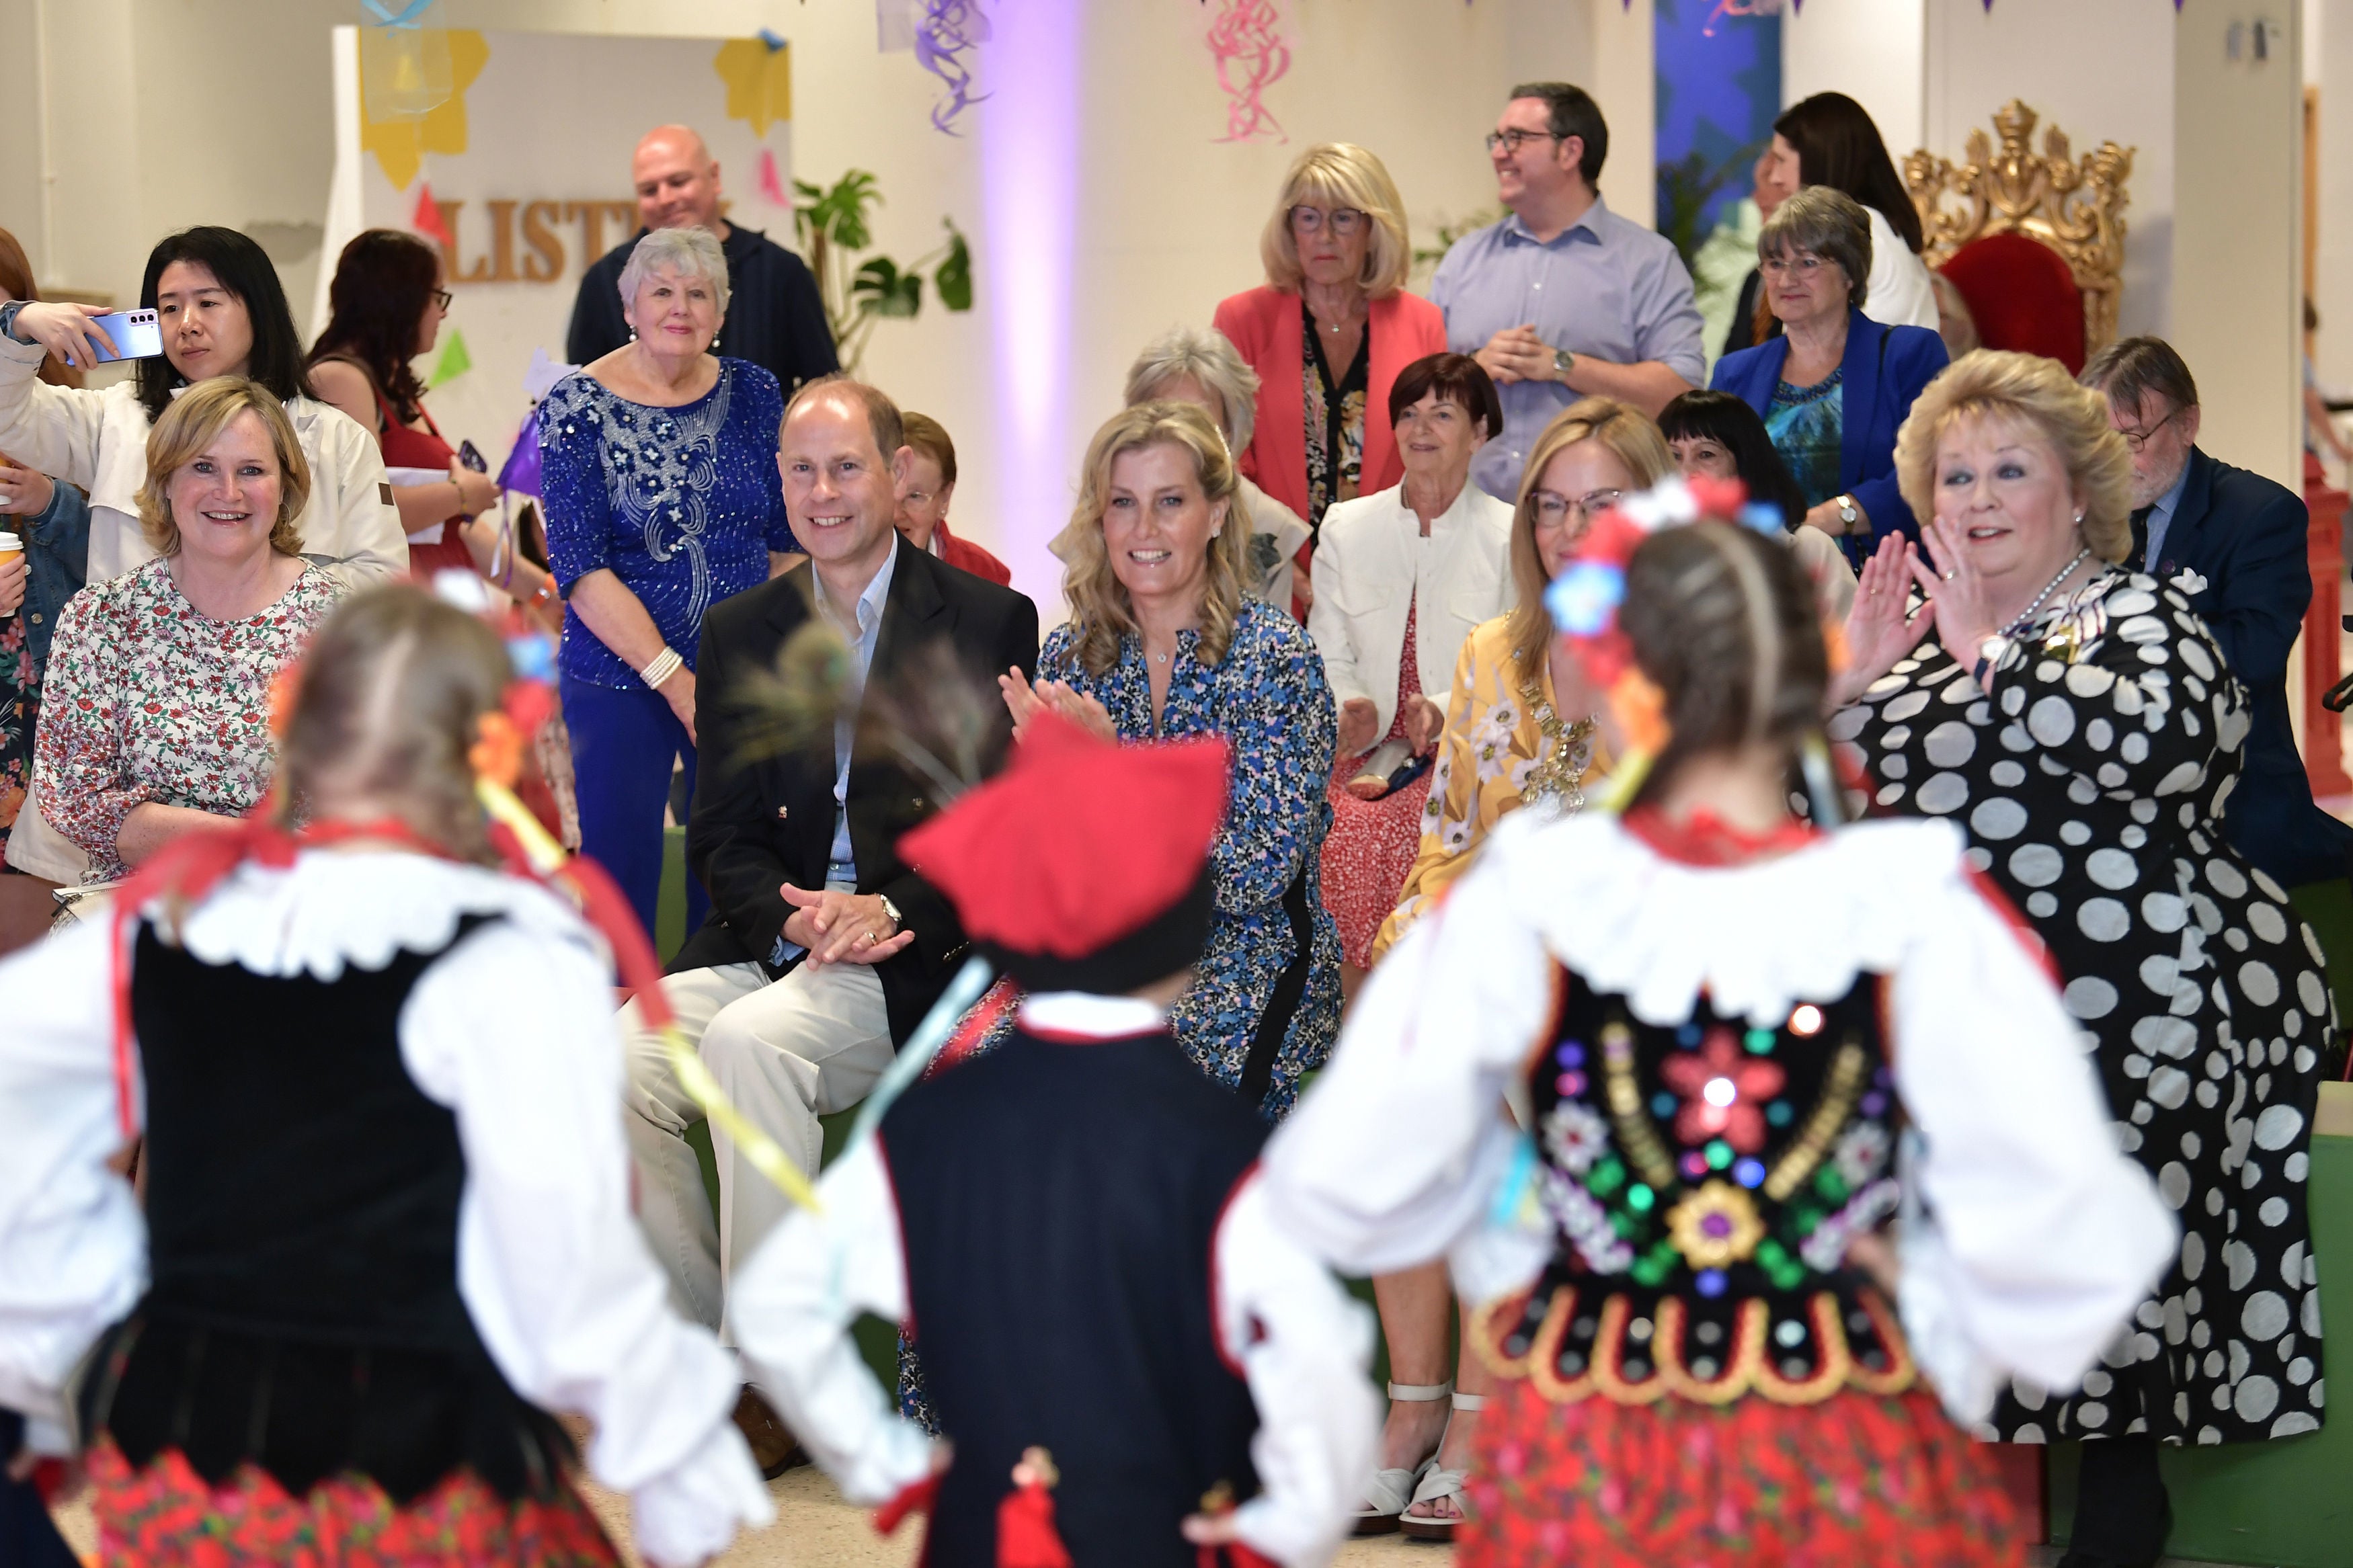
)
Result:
{"points": [[1345, 173], [1099, 607], [2037, 392], [1635, 441], [390, 691], [1209, 357], [189, 424]]}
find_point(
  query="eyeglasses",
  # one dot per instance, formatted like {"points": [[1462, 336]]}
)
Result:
{"points": [[1516, 139], [1780, 266], [2136, 439], [443, 297], [1344, 221], [1553, 511]]}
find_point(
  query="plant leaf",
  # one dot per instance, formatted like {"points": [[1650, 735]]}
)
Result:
{"points": [[954, 277], [884, 290]]}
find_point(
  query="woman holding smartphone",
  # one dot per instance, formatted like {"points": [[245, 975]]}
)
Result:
{"points": [[222, 312]]}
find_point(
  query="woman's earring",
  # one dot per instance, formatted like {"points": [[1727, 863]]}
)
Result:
{"points": [[2079, 519], [633, 334]]}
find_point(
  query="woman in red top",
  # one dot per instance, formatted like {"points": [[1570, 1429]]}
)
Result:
{"points": [[386, 308], [924, 510], [1327, 333]]}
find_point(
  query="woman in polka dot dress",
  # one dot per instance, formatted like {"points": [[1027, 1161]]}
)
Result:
{"points": [[2080, 723]]}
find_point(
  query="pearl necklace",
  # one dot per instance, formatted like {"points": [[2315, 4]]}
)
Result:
{"points": [[2018, 621]]}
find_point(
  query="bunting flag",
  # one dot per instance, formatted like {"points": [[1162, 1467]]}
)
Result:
{"points": [[427, 220], [454, 362], [772, 184]]}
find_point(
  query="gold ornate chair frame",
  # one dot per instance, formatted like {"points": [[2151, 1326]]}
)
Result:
{"points": [[2075, 208]]}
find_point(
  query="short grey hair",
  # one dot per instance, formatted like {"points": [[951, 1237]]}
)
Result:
{"points": [[1208, 357], [1831, 223], [690, 252]]}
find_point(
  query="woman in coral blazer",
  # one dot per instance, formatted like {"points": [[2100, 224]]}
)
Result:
{"points": [[1327, 334]]}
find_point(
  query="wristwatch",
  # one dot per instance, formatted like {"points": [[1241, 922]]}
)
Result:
{"points": [[1849, 513], [8, 321], [1989, 653], [898, 920], [1563, 362]]}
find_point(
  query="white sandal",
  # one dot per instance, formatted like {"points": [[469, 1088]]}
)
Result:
{"points": [[1392, 1492], [1437, 1484]]}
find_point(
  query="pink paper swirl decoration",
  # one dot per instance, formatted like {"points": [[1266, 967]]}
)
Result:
{"points": [[1246, 42], [947, 33]]}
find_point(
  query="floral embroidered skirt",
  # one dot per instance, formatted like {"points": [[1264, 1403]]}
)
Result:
{"points": [[166, 1516], [1857, 1479], [1372, 844], [20, 708]]}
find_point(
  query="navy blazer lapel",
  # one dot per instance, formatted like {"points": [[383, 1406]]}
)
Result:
{"points": [[2188, 516], [1859, 367]]}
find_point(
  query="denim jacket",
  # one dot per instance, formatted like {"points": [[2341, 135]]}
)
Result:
{"points": [[57, 556]]}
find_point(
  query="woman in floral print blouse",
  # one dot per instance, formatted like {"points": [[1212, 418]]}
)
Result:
{"points": [[156, 720], [1162, 642]]}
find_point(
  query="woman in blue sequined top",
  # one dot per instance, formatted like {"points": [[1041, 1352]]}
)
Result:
{"points": [[1161, 642], [663, 498]]}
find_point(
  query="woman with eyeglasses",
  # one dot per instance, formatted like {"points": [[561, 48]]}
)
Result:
{"points": [[1834, 386], [1327, 333], [1524, 727], [386, 306]]}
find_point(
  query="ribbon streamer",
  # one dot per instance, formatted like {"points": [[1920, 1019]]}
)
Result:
{"points": [[633, 956], [948, 32], [1246, 42], [406, 16], [916, 1055]]}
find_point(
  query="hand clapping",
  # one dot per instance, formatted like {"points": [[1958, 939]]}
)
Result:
{"points": [[1024, 701]]}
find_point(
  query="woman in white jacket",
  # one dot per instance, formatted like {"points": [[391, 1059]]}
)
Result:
{"points": [[223, 312], [1401, 576]]}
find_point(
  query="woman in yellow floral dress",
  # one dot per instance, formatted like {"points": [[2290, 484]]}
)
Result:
{"points": [[1520, 728]]}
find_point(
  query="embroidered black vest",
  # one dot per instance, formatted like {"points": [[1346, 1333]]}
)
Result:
{"points": [[303, 1234], [1703, 1181], [1059, 1205]]}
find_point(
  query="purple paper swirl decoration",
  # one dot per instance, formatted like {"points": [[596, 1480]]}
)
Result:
{"points": [[945, 36], [1246, 41]]}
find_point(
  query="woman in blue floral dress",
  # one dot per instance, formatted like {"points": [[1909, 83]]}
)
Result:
{"points": [[1162, 642], [663, 498]]}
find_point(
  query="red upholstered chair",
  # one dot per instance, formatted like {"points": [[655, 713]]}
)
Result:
{"points": [[2033, 242], [2022, 295]]}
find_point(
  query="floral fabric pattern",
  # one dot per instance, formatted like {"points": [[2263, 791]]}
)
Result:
{"points": [[165, 1516], [1335, 411], [1490, 752], [149, 701], [1373, 843], [20, 711], [1268, 698], [1884, 1479]]}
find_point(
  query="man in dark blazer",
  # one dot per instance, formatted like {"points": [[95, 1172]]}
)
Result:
{"points": [[2234, 543], [775, 318], [823, 948]]}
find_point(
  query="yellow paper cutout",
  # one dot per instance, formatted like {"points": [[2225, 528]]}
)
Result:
{"points": [[759, 82], [401, 141]]}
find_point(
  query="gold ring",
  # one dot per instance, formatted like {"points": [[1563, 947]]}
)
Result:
{"points": [[1948, 576]]}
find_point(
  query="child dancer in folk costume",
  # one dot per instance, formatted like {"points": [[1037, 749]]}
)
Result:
{"points": [[1713, 1021], [362, 1274], [1072, 1225]]}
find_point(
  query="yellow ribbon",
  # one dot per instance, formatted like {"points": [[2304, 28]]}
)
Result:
{"points": [[548, 859]]}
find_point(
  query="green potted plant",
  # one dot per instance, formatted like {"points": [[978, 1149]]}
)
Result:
{"points": [[831, 223]]}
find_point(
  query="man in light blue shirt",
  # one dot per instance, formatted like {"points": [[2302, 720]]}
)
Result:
{"points": [[1563, 298]]}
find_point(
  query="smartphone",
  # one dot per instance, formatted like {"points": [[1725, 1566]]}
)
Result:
{"points": [[471, 456], [130, 334]]}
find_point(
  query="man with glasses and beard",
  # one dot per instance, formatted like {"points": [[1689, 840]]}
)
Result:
{"points": [[2232, 543]]}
